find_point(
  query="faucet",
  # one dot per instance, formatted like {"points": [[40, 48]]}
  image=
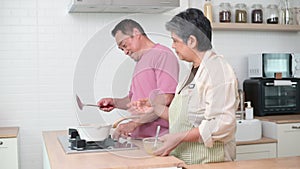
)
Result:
{"points": [[240, 114]]}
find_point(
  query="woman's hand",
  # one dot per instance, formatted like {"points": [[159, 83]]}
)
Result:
{"points": [[171, 141], [143, 109], [141, 106], [124, 130]]}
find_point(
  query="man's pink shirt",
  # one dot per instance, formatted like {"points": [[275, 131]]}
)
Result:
{"points": [[157, 70]]}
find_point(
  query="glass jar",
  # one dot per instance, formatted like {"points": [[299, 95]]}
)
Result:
{"points": [[257, 13], [286, 13], [241, 13], [272, 14], [225, 12], [208, 12]]}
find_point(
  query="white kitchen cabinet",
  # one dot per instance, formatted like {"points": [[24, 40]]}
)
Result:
{"points": [[46, 162], [287, 135], [255, 151], [9, 156]]}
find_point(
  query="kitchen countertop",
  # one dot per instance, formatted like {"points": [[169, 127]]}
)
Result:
{"points": [[9, 132], [59, 160], [281, 119], [116, 159], [271, 163]]}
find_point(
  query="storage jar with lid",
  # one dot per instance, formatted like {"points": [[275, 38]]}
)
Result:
{"points": [[257, 13], [225, 12], [240, 13], [272, 14]]}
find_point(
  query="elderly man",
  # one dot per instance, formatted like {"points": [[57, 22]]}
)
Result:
{"points": [[155, 73]]}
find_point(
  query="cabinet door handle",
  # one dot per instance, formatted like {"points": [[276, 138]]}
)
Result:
{"points": [[269, 84], [295, 127], [1, 142]]}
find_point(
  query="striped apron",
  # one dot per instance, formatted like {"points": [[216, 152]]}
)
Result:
{"points": [[190, 152]]}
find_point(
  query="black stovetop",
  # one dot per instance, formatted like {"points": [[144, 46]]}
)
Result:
{"points": [[72, 143]]}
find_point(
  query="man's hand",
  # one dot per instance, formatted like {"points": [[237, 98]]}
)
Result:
{"points": [[106, 104]]}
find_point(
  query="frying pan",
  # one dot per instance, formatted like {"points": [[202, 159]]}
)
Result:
{"points": [[94, 132]]}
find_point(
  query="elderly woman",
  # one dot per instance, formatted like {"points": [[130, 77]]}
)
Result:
{"points": [[202, 114]]}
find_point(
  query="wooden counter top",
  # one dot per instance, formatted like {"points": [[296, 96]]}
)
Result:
{"points": [[281, 119], [116, 159], [9, 132], [139, 159], [263, 140], [271, 163]]}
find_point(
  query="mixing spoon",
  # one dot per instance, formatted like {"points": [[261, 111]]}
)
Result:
{"points": [[156, 136]]}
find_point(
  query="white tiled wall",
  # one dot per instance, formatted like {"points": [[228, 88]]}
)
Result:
{"points": [[39, 46]]}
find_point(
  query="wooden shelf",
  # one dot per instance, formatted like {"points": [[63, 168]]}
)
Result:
{"points": [[255, 27]]}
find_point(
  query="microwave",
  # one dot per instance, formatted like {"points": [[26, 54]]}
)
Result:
{"points": [[273, 96], [267, 65]]}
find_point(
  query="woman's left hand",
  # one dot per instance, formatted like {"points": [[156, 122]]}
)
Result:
{"points": [[123, 130], [171, 141], [141, 106]]}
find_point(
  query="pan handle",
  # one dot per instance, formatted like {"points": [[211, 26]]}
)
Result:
{"points": [[116, 123]]}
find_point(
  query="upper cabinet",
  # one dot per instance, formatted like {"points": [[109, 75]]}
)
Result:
{"points": [[122, 6]]}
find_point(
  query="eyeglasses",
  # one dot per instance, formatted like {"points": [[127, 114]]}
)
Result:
{"points": [[123, 44]]}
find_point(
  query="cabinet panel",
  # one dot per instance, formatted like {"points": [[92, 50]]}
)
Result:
{"points": [[255, 151], [288, 139], [46, 162], [9, 153]]}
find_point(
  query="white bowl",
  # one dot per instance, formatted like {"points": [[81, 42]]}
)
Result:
{"points": [[93, 132], [149, 144]]}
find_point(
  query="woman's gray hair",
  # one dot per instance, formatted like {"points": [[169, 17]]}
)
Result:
{"points": [[192, 22]]}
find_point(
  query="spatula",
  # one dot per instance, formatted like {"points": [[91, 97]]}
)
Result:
{"points": [[81, 105]]}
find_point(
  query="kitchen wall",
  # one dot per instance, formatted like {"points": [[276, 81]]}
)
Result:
{"points": [[40, 44]]}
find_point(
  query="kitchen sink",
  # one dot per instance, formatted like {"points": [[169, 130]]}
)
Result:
{"points": [[248, 130]]}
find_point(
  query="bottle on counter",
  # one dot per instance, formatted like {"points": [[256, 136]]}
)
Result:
{"points": [[208, 11], [241, 13], [248, 111], [272, 14], [225, 12], [257, 13]]}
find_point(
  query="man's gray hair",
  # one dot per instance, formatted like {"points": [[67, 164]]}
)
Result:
{"points": [[126, 26]]}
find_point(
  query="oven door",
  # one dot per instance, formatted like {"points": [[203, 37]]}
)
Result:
{"points": [[281, 96], [277, 63]]}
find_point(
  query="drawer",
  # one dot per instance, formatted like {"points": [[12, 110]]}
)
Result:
{"points": [[256, 151]]}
